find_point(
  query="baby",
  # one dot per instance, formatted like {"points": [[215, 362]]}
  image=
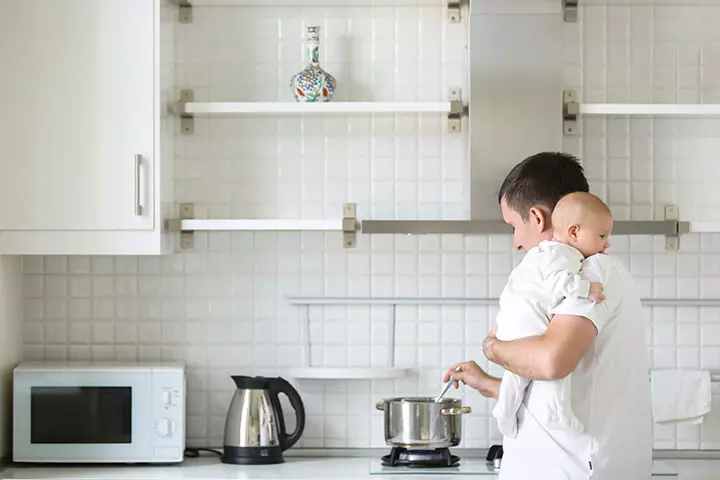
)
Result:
{"points": [[550, 272]]}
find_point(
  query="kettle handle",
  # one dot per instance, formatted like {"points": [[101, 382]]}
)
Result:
{"points": [[280, 385]]}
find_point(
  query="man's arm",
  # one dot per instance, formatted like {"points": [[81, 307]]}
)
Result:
{"points": [[557, 352], [550, 356]]}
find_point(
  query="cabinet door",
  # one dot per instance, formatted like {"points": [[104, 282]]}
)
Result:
{"points": [[77, 116]]}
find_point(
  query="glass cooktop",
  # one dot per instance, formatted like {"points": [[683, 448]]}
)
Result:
{"points": [[478, 466], [472, 466]]}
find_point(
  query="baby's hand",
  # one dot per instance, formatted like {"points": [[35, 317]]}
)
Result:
{"points": [[596, 292]]}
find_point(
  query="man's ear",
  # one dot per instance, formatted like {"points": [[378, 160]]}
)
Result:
{"points": [[540, 218], [573, 231]]}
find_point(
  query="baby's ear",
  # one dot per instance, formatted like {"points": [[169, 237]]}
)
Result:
{"points": [[573, 231]]}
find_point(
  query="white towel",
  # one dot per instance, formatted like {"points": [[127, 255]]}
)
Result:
{"points": [[680, 396]]}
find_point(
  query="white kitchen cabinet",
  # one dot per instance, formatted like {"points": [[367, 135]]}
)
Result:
{"points": [[86, 142], [10, 344]]}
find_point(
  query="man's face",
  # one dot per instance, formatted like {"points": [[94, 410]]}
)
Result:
{"points": [[529, 233]]}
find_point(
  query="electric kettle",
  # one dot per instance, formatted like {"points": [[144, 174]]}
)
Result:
{"points": [[255, 427]]}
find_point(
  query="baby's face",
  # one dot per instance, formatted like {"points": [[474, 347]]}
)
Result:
{"points": [[594, 237]]}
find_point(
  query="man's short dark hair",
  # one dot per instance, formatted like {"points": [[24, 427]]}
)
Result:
{"points": [[541, 180]]}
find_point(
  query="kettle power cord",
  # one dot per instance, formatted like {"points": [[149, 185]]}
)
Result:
{"points": [[192, 452]]}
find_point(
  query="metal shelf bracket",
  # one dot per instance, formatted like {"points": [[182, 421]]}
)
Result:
{"points": [[571, 111], [185, 13], [454, 8], [350, 225], [187, 121], [457, 110], [570, 10], [672, 242], [187, 212]]}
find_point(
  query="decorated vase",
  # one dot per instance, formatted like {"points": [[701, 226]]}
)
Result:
{"points": [[313, 84]]}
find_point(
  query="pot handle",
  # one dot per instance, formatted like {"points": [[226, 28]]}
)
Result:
{"points": [[455, 411], [380, 406]]}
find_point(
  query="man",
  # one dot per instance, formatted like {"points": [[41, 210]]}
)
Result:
{"points": [[602, 344]]}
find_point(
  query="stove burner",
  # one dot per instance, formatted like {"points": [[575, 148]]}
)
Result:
{"points": [[434, 458]]}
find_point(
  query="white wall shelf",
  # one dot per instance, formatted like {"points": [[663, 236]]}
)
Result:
{"points": [[455, 8], [187, 225], [199, 225], [390, 301], [704, 227], [307, 370], [572, 109], [352, 373], [650, 109], [640, 3], [314, 3], [489, 301], [290, 108], [188, 108]]}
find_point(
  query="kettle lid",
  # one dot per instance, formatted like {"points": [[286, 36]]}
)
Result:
{"points": [[250, 383]]}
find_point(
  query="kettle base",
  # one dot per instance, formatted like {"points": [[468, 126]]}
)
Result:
{"points": [[252, 455]]}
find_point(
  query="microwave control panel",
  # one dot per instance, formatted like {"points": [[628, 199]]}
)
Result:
{"points": [[168, 388]]}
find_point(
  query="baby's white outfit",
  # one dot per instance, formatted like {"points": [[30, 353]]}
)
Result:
{"points": [[547, 274]]}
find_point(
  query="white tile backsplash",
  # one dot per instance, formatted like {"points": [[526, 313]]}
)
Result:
{"points": [[220, 307]]}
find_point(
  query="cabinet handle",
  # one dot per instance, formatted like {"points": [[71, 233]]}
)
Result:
{"points": [[138, 166]]}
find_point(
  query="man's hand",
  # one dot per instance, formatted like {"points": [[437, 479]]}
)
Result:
{"points": [[596, 292], [488, 344], [473, 376]]}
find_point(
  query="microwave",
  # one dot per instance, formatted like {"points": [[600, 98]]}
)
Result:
{"points": [[98, 413]]}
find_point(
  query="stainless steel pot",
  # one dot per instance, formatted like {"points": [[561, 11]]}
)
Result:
{"points": [[420, 422]]}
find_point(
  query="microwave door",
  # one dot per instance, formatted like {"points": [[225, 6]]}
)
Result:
{"points": [[88, 417], [81, 415]]}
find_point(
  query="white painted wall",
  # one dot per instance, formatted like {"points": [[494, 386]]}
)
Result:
{"points": [[10, 342]]}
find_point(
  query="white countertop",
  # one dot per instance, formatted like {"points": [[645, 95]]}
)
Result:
{"points": [[296, 468]]}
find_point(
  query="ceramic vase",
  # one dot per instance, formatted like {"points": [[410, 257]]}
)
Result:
{"points": [[313, 84]]}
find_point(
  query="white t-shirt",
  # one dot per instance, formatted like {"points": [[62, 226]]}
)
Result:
{"points": [[610, 395], [547, 274]]}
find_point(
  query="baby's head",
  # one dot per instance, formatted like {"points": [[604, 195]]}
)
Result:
{"points": [[583, 221]]}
